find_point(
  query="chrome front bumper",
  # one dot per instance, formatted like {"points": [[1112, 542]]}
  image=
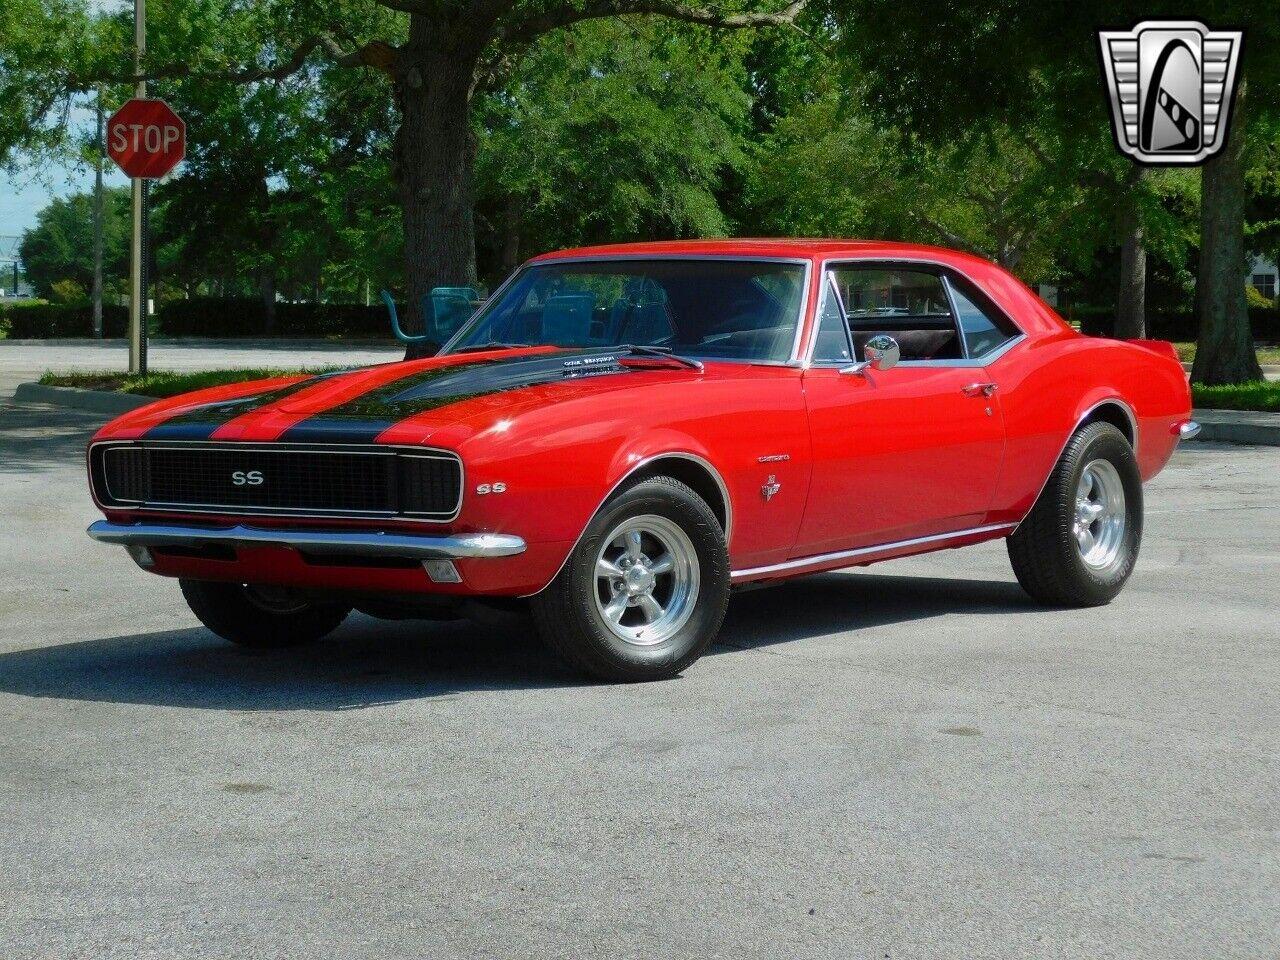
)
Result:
{"points": [[326, 542], [1188, 429]]}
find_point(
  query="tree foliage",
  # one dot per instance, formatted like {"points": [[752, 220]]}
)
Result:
{"points": [[60, 247], [611, 131]]}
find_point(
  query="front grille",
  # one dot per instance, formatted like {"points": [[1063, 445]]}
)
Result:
{"points": [[279, 479]]}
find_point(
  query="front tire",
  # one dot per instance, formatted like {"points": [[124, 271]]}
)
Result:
{"points": [[1080, 542], [260, 617], [645, 590]]}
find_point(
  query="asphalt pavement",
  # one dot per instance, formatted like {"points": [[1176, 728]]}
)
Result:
{"points": [[910, 761], [22, 361]]}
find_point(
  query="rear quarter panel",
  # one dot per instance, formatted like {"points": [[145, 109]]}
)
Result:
{"points": [[1049, 384]]}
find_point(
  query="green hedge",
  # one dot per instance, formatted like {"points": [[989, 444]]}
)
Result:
{"points": [[45, 320], [1179, 327], [246, 317]]}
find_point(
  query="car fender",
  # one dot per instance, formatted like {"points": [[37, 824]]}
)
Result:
{"points": [[1049, 392]]}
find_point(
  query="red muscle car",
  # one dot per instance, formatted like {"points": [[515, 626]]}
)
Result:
{"points": [[621, 435]]}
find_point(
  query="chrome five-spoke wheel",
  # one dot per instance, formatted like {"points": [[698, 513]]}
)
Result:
{"points": [[1100, 514], [644, 591], [1080, 541], [646, 579]]}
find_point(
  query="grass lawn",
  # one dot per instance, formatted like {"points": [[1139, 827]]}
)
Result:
{"points": [[1244, 396], [1248, 396], [1187, 353], [165, 384]]}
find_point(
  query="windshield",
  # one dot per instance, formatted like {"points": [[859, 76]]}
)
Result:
{"points": [[718, 309]]}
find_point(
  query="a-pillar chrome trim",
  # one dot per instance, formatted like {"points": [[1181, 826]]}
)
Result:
{"points": [[853, 556], [324, 542]]}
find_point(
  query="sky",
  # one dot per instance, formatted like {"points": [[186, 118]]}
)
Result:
{"points": [[23, 196]]}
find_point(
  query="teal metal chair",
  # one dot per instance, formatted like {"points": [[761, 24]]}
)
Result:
{"points": [[449, 308], [444, 309]]}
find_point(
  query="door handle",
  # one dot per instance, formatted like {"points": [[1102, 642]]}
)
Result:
{"points": [[975, 389]]}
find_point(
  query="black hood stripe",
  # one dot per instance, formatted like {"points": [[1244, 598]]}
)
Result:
{"points": [[200, 423], [362, 420]]}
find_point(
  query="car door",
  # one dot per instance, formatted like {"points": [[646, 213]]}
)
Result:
{"points": [[911, 451]]}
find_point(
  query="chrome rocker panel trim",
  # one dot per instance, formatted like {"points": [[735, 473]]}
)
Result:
{"points": [[853, 556], [329, 542]]}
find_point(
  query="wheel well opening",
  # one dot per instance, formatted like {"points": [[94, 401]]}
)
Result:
{"points": [[693, 475], [1115, 415]]}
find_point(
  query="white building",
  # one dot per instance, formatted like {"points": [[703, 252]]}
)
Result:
{"points": [[1264, 277]]}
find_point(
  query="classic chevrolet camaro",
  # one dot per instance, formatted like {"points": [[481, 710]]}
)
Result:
{"points": [[622, 435]]}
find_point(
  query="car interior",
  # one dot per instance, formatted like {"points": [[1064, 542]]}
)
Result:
{"points": [[914, 307]]}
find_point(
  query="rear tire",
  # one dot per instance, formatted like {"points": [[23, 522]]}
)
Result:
{"points": [[260, 617], [645, 590], [1080, 542]]}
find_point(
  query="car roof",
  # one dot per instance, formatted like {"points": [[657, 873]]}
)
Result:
{"points": [[810, 248], [1033, 314]]}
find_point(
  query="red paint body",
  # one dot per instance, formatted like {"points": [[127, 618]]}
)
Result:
{"points": [[872, 462]]}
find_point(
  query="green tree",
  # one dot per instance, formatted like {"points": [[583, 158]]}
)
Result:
{"points": [[60, 245], [940, 71], [610, 130], [432, 57], [828, 169]]}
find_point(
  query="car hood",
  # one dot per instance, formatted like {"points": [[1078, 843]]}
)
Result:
{"points": [[357, 406]]}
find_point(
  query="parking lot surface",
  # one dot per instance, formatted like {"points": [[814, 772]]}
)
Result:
{"points": [[24, 361], [909, 761]]}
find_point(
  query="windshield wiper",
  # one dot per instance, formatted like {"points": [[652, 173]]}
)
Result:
{"points": [[492, 345], [661, 353]]}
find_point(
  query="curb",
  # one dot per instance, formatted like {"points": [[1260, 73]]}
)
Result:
{"points": [[1238, 426], [96, 401], [1268, 369]]}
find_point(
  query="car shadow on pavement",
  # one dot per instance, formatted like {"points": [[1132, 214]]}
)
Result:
{"points": [[371, 662], [365, 663], [829, 603], [37, 438]]}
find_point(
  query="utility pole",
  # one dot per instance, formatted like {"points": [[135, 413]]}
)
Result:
{"points": [[138, 264], [97, 228]]}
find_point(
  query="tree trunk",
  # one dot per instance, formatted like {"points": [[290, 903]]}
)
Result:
{"points": [[1224, 350], [267, 290], [511, 237], [1131, 319], [434, 152]]}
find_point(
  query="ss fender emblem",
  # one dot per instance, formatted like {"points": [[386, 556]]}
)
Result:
{"points": [[247, 478], [486, 488]]}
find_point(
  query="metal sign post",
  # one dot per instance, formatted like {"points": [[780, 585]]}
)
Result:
{"points": [[137, 266]]}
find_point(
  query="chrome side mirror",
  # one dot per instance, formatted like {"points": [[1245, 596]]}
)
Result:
{"points": [[881, 352]]}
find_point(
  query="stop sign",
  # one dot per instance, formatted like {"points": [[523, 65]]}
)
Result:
{"points": [[146, 138]]}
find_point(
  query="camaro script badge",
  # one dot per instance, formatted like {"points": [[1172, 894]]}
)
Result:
{"points": [[1171, 84]]}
